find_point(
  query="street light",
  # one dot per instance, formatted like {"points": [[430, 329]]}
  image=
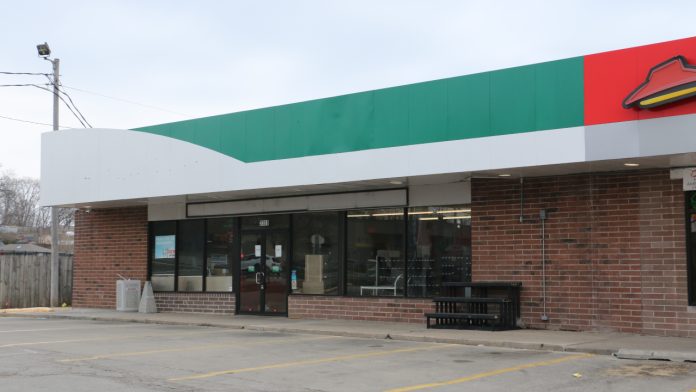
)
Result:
{"points": [[43, 49], [44, 52]]}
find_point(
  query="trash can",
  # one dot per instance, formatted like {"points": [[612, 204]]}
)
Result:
{"points": [[127, 295]]}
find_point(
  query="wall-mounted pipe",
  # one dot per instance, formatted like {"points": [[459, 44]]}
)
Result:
{"points": [[521, 199], [542, 218]]}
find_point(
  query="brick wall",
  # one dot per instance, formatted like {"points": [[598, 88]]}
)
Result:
{"points": [[218, 303], [615, 248], [107, 242], [355, 308]]}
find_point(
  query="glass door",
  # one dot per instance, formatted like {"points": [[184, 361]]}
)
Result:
{"points": [[251, 273], [277, 266], [264, 266]]}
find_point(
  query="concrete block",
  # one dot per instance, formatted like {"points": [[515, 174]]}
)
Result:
{"points": [[147, 301]]}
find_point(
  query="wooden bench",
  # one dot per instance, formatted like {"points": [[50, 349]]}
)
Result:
{"points": [[476, 307]]}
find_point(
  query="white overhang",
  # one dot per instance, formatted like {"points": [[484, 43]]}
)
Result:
{"points": [[108, 167]]}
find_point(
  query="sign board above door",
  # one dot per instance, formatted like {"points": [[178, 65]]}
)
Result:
{"points": [[323, 202]]}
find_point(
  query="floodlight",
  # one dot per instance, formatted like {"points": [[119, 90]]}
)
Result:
{"points": [[43, 49]]}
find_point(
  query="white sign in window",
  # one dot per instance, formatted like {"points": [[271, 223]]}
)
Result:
{"points": [[689, 179]]}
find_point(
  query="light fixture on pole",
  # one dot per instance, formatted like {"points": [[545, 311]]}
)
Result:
{"points": [[44, 52]]}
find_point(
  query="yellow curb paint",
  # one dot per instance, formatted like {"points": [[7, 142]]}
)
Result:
{"points": [[195, 348], [97, 339], [310, 362], [491, 373], [26, 310]]}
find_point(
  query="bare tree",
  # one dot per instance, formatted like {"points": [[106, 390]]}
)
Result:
{"points": [[19, 204]]}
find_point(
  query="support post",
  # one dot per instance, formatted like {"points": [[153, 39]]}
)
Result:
{"points": [[55, 242]]}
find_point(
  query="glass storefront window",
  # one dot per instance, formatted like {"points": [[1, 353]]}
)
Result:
{"points": [[374, 242], [191, 255], [220, 250], [163, 245], [375, 252], [316, 253], [691, 244], [439, 248]]}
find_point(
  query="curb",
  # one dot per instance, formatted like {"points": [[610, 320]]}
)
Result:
{"points": [[674, 356], [631, 354], [363, 335]]}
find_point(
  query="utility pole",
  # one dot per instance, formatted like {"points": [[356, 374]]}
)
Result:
{"points": [[45, 52], [55, 242]]}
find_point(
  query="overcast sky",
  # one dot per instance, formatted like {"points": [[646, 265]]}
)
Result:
{"points": [[187, 59]]}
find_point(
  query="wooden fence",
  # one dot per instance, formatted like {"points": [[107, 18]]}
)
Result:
{"points": [[25, 279]]}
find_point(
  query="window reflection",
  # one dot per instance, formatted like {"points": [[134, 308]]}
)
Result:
{"points": [[220, 246], [439, 248], [316, 253], [191, 255], [163, 243], [375, 252]]}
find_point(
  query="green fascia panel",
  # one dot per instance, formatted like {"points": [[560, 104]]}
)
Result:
{"points": [[232, 131], [469, 107], [391, 122], [523, 99]]}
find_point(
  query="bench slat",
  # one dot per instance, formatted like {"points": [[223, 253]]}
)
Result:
{"points": [[471, 300], [480, 316]]}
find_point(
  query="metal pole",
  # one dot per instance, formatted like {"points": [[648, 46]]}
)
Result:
{"points": [[55, 251]]}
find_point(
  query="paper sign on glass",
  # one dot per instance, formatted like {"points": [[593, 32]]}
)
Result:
{"points": [[279, 251], [165, 246], [257, 250]]}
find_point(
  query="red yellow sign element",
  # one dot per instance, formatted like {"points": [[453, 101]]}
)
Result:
{"points": [[670, 81]]}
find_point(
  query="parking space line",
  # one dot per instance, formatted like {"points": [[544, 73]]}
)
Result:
{"points": [[117, 337], [70, 328], [197, 348], [310, 362], [491, 373]]}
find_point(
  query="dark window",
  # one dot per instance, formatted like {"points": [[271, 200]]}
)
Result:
{"points": [[191, 255], [439, 248], [375, 245], [691, 244], [163, 255], [220, 251], [316, 253]]}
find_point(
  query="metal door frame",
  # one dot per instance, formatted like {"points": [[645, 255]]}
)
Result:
{"points": [[262, 295]]}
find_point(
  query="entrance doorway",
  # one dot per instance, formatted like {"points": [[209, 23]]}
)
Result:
{"points": [[264, 266]]}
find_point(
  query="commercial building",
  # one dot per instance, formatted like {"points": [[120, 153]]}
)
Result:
{"points": [[572, 176]]}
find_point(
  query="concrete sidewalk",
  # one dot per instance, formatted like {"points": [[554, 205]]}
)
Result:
{"points": [[622, 345]]}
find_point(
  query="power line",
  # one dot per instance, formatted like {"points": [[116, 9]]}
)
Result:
{"points": [[75, 106], [126, 101], [29, 121], [21, 73], [21, 85], [65, 102], [44, 88], [53, 82], [80, 118]]}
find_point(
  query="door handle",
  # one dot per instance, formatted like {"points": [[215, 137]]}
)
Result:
{"points": [[259, 277]]}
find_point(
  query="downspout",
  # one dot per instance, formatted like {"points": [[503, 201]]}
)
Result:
{"points": [[521, 199], [542, 217]]}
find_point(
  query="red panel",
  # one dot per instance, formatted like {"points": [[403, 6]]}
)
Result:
{"points": [[611, 76]]}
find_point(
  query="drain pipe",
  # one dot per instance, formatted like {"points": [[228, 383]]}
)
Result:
{"points": [[542, 218], [521, 199]]}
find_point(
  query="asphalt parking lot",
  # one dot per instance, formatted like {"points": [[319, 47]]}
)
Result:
{"points": [[76, 355]]}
